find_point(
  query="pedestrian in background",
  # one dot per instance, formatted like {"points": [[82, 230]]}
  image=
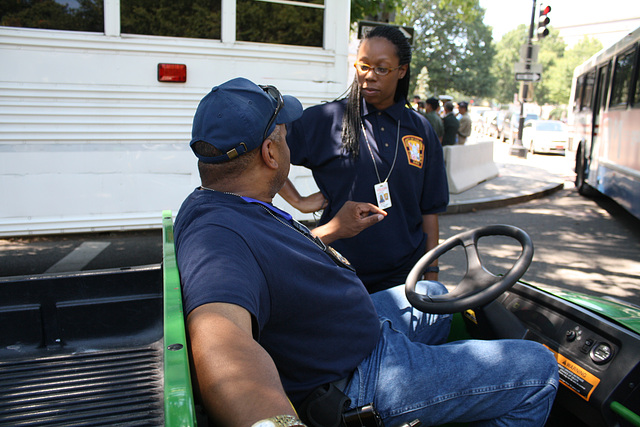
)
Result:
{"points": [[451, 125], [465, 122], [415, 101], [432, 113]]}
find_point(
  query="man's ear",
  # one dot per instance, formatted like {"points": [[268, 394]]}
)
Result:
{"points": [[268, 153]]}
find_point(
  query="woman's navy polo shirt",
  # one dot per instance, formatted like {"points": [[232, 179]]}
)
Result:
{"points": [[313, 316], [418, 183]]}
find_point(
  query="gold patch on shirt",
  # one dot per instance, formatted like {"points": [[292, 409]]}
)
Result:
{"points": [[414, 147]]}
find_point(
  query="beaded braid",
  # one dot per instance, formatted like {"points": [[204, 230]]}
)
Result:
{"points": [[351, 120]]}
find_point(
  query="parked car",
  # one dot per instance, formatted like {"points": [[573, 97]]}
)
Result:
{"points": [[545, 136], [510, 126], [485, 121], [495, 125]]}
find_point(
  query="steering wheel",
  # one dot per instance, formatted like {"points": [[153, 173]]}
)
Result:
{"points": [[478, 287]]}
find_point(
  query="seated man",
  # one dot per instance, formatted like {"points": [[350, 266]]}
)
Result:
{"points": [[274, 313]]}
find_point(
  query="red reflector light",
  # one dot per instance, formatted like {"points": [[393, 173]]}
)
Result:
{"points": [[172, 73]]}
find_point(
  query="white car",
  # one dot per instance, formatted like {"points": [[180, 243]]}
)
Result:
{"points": [[545, 136]]}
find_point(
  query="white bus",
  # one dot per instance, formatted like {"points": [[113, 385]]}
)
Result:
{"points": [[95, 120], [605, 116]]}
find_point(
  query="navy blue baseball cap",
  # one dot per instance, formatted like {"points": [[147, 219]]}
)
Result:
{"points": [[237, 116]]}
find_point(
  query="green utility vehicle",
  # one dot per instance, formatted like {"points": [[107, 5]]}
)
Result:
{"points": [[109, 347], [104, 347]]}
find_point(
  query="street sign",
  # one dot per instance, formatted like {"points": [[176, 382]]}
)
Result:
{"points": [[523, 67], [526, 92], [527, 77]]}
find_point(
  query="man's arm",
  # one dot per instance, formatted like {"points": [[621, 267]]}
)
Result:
{"points": [[305, 204], [430, 226], [237, 379]]}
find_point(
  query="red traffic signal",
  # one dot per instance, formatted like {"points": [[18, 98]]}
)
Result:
{"points": [[543, 21]]}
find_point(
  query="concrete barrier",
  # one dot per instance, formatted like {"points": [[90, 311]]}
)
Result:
{"points": [[468, 165]]}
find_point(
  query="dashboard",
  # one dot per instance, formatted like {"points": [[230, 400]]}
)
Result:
{"points": [[598, 360]]}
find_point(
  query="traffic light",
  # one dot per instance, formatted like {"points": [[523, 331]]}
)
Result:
{"points": [[543, 21]]}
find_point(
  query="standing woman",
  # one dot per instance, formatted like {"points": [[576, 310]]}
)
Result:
{"points": [[372, 147]]}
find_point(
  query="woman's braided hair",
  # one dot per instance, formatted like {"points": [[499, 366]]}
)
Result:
{"points": [[351, 120]]}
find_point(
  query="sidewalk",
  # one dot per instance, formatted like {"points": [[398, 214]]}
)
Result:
{"points": [[519, 180]]}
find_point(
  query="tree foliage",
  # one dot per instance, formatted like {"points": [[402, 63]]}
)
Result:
{"points": [[186, 18], [374, 10], [552, 50], [256, 21], [454, 45], [508, 53], [88, 16], [276, 23], [558, 79], [557, 62]]}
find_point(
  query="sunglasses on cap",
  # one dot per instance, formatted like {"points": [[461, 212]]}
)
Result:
{"points": [[275, 94]]}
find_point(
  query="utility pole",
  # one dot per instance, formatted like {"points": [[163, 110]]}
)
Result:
{"points": [[517, 148]]}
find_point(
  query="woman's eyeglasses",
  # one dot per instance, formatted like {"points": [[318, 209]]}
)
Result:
{"points": [[275, 94], [381, 71]]}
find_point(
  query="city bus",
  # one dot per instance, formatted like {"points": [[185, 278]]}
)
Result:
{"points": [[97, 97], [604, 111]]}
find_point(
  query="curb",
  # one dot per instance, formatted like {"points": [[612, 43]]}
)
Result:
{"points": [[501, 201]]}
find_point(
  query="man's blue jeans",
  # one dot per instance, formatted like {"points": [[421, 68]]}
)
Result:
{"points": [[412, 374]]}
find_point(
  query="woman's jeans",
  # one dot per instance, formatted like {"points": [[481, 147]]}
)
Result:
{"points": [[412, 374]]}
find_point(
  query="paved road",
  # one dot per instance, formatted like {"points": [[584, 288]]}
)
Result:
{"points": [[581, 244]]}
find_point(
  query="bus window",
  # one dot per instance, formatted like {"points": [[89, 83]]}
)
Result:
{"points": [[602, 90], [172, 18], [577, 97], [622, 79], [54, 15], [587, 94], [636, 95], [281, 22]]}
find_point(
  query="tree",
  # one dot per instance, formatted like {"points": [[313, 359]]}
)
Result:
{"points": [[560, 76], [87, 16], [550, 56], [557, 65], [374, 10], [275, 23], [508, 53], [186, 18], [453, 43], [552, 50]]}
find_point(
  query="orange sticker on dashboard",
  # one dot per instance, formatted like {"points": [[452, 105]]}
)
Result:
{"points": [[575, 377]]}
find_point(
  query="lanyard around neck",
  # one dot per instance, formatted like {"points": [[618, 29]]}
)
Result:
{"points": [[395, 156]]}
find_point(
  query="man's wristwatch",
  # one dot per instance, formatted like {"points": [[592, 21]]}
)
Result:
{"points": [[280, 421], [432, 269]]}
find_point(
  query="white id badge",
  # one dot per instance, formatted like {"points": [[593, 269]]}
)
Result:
{"points": [[382, 195]]}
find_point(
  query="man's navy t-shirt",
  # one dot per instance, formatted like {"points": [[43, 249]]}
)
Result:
{"points": [[313, 316]]}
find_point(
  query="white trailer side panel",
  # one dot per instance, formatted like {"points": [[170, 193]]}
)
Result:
{"points": [[91, 141]]}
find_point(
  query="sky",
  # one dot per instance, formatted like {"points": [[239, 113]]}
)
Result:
{"points": [[610, 21]]}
